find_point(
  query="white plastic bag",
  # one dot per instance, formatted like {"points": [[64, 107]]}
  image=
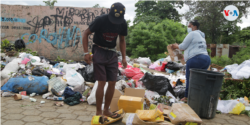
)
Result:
{"points": [[244, 72], [226, 106], [150, 94], [71, 66], [121, 83], [144, 60], [91, 99], [231, 67], [168, 59], [35, 60], [239, 71], [120, 59], [74, 78], [11, 67], [9, 59]]}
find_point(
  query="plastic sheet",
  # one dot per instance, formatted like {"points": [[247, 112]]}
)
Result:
{"points": [[241, 71], [92, 99], [226, 106], [10, 67], [36, 85]]}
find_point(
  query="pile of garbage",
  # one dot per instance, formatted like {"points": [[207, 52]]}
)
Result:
{"points": [[145, 97]]}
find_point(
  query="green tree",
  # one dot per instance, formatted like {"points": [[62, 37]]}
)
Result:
{"points": [[151, 40], [97, 6], [213, 23], [155, 11], [242, 55]]}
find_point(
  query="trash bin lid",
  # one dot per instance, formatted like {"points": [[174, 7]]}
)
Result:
{"points": [[204, 71]]}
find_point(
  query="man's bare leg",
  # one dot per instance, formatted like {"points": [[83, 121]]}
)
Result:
{"points": [[99, 97], [108, 97]]}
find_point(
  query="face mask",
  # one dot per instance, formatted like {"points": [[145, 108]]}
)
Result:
{"points": [[189, 29]]}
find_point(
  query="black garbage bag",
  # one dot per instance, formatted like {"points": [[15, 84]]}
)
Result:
{"points": [[38, 72], [8, 49], [180, 91], [173, 66], [87, 73], [178, 82], [19, 44], [159, 84]]}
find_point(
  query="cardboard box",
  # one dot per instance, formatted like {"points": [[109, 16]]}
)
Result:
{"points": [[133, 119], [128, 92], [181, 113], [176, 54]]}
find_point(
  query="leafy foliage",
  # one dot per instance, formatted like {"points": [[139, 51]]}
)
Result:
{"points": [[232, 89], [221, 61], [97, 6], [5, 43], [151, 11], [151, 40], [242, 55], [50, 3], [246, 113]]}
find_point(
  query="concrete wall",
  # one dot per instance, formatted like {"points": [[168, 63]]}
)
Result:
{"points": [[51, 32]]}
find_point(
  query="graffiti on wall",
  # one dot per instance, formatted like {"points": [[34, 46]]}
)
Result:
{"points": [[63, 17], [59, 29], [60, 40]]}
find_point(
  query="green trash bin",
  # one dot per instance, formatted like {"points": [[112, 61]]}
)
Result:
{"points": [[204, 91]]}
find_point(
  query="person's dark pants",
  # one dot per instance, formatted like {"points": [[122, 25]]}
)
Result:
{"points": [[199, 62], [105, 64]]}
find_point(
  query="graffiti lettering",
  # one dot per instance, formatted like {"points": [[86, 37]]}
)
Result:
{"points": [[4, 19], [36, 23], [20, 27], [60, 40], [5, 27]]}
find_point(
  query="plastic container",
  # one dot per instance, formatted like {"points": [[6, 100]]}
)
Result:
{"points": [[204, 90], [56, 84]]}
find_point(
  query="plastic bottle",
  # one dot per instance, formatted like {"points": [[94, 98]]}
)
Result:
{"points": [[58, 98]]}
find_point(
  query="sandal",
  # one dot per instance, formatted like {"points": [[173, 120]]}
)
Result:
{"points": [[99, 120], [114, 115]]}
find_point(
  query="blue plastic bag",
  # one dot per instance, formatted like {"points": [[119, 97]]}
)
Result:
{"points": [[169, 71], [38, 85]]}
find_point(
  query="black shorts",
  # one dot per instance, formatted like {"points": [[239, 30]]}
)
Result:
{"points": [[105, 64]]}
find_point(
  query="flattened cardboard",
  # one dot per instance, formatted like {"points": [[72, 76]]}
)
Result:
{"points": [[116, 96], [134, 92], [128, 92], [176, 54], [182, 113], [133, 119]]}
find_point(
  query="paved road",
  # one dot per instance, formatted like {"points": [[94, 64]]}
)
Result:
{"points": [[33, 113]]}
